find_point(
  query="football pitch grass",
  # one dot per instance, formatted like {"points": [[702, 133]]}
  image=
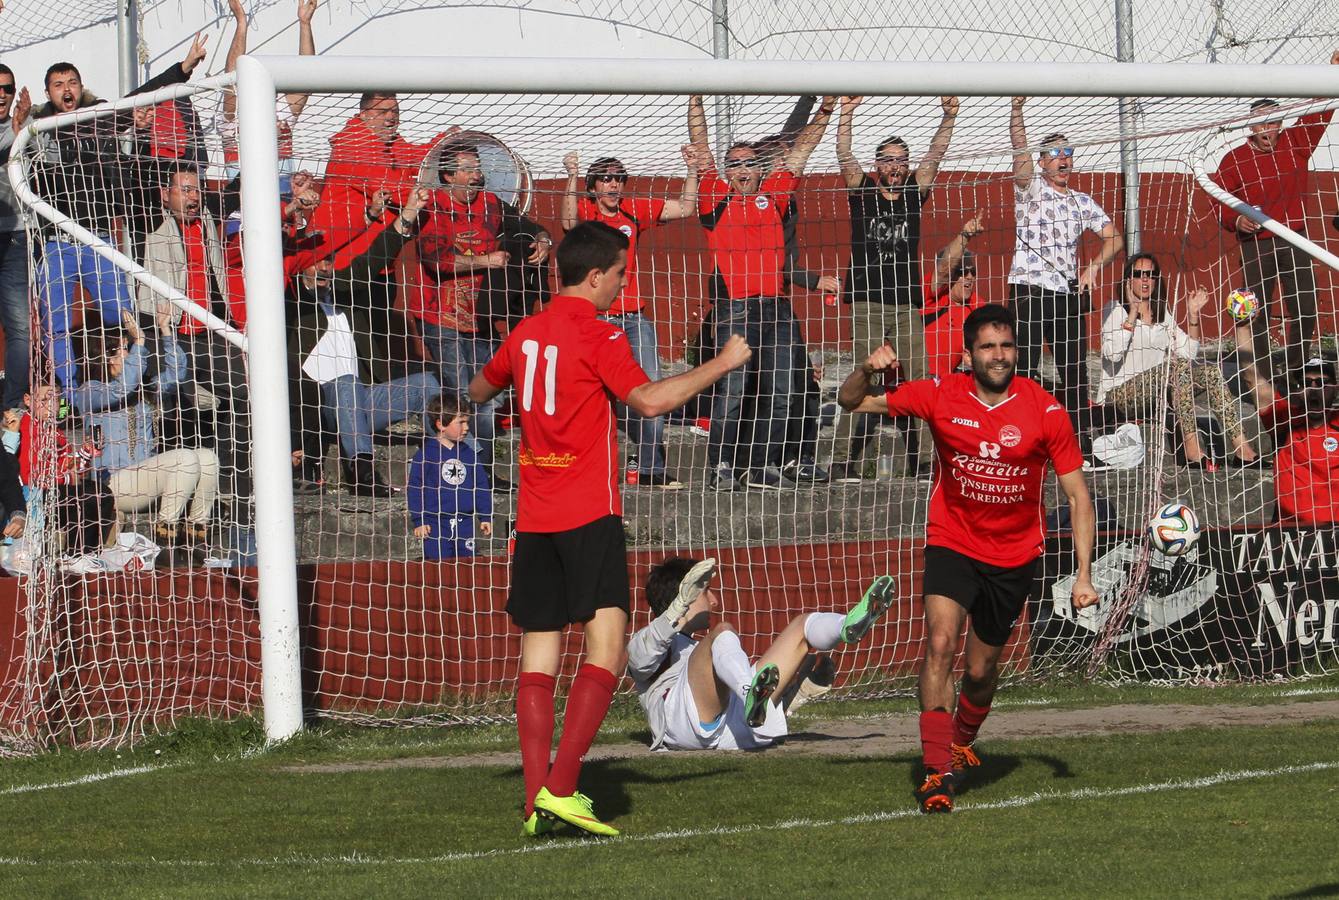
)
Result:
{"points": [[1189, 811]]}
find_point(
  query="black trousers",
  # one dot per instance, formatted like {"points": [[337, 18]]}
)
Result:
{"points": [[1059, 320]]}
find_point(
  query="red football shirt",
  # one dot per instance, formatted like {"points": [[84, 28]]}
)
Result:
{"points": [[745, 235], [943, 321], [1306, 475], [455, 229], [564, 364], [987, 501], [634, 215]]}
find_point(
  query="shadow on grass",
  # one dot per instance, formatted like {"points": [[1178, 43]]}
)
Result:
{"points": [[1316, 890], [606, 781]]}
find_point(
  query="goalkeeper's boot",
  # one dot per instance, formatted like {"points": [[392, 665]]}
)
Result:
{"points": [[861, 617], [935, 795], [575, 810], [964, 758], [760, 691], [538, 826]]}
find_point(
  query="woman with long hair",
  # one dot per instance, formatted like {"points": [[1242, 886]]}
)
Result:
{"points": [[1145, 350]]}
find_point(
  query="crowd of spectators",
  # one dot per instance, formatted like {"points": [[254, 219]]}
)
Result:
{"points": [[398, 293]]}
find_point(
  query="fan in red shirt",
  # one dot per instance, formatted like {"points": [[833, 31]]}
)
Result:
{"points": [[605, 201], [994, 436], [1306, 468], [570, 561], [366, 156], [949, 292], [1270, 171], [745, 216]]}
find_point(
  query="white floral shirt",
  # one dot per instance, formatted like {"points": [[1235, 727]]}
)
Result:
{"points": [[1048, 225]]}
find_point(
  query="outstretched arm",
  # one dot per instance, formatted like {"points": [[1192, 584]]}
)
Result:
{"points": [[235, 52], [809, 136], [954, 250], [655, 398], [852, 174], [1018, 138], [1083, 521], [568, 214], [306, 47], [686, 205], [697, 123], [929, 167]]}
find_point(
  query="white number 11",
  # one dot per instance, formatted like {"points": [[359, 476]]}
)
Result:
{"points": [[531, 351]]}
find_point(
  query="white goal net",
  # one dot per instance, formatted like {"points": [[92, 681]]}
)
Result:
{"points": [[903, 214]]}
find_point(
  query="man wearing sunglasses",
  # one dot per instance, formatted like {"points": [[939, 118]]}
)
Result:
{"points": [[1051, 295], [606, 201], [1306, 468], [883, 285], [1270, 171], [744, 215], [14, 253]]}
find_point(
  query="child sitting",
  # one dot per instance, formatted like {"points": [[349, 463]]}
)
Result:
{"points": [[447, 484]]}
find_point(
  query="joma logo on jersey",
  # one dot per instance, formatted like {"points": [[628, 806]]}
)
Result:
{"points": [[958, 420]]}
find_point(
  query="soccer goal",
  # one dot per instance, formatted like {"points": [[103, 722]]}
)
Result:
{"points": [[356, 613]]}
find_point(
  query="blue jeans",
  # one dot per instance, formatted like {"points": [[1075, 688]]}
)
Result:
{"points": [[14, 314], [459, 358], [647, 434], [753, 403], [360, 410], [64, 267]]}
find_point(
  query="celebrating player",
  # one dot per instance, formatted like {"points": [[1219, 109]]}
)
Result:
{"points": [[570, 564], [705, 694], [994, 435]]}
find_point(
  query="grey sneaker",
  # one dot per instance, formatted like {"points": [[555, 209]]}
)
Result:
{"points": [[723, 479], [769, 478]]}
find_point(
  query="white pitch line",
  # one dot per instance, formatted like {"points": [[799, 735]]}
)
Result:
{"points": [[358, 859], [83, 779]]}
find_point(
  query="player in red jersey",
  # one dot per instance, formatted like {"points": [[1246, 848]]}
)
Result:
{"points": [[1271, 171], [605, 201], [570, 563], [1306, 431], [994, 435]]}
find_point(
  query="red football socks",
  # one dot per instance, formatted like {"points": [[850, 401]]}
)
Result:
{"points": [[534, 727], [592, 692], [967, 720], [936, 733]]}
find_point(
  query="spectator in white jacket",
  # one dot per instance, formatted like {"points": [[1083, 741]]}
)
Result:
{"points": [[1144, 351]]}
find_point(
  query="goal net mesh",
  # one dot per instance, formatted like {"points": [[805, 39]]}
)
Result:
{"points": [[139, 604]]}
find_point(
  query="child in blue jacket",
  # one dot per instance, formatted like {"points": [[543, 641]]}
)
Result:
{"points": [[448, 487]]}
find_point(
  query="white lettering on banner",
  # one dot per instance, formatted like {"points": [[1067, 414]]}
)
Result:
{"points": [[1287, 622], [1307, 551]]}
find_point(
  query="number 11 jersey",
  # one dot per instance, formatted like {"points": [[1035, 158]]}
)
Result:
{"points": [[565, 364]]}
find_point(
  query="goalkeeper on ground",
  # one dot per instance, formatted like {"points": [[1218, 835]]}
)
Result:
{"points": [[703, 693]]}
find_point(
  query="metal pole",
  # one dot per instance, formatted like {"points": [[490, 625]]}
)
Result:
{"points": [[1129, 147], [267, 373], [127, 45], [720, 49]]}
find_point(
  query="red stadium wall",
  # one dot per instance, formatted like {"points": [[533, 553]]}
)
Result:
{"points": [[379, 635], [1177, 221]]}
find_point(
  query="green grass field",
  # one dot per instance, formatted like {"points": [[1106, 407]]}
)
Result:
{"points": [[1194, 811]]}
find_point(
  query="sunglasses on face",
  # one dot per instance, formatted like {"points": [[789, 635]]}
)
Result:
{"points": [[1057, 152], [611, 176], [751, 162], [1144, 273], [1314, 381], [7, 88]]}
